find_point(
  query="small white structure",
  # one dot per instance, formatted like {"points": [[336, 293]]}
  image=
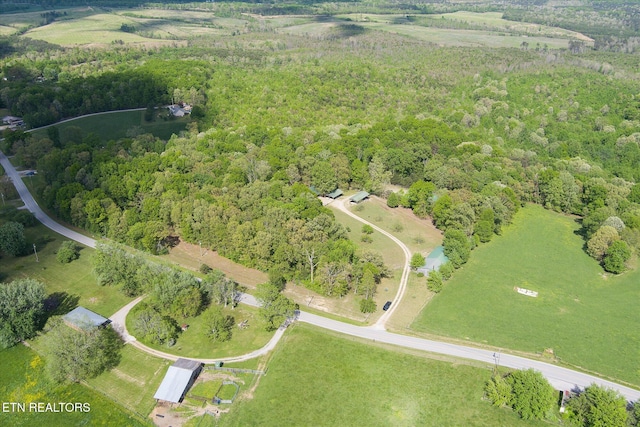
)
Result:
{"points": [[179, 110], [178, 379], [526, 292]]}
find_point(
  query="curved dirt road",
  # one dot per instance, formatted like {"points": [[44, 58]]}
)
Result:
{"points": [[382, 321]]}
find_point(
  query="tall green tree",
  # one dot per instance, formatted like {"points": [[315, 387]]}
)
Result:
{"points": [[12, 240], [598, 406], [74, 355], [533, 396], [218, 327], [21, 310], [275, 308]]}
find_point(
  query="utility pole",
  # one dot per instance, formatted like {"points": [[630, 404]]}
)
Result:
{"points": [[2, 194], [35, 252]]}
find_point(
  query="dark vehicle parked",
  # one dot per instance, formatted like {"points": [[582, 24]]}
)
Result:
{"points": [[386, 305]]}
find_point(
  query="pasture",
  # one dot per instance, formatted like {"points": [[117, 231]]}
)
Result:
{"points": [[342, 381], [134, 381], [102, 125], [582, 316], [23, 379]]}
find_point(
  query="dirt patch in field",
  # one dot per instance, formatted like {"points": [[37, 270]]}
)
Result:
{"points": [[192, 256]]}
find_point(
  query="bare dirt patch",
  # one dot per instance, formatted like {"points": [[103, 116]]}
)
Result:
{"points": [[192, 256]]}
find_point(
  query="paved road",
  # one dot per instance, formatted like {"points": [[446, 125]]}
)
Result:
{"points": [[382, 321], [33, 207], [561, 378]]}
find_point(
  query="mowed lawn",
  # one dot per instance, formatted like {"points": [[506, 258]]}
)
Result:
{"points": [[589, 319], [194, 341], [320, 379], [103, 126], [23, 380], [73, 283]]}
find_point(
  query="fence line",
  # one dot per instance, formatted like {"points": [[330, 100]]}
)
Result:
{"points": [[236, 370]]}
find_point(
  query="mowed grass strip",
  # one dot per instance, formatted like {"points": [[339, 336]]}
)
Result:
{"points": [[588, 319], [23, 380], [320, 379], [134, 381]]}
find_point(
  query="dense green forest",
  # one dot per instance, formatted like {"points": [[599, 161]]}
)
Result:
{"points": [[470, 133]]}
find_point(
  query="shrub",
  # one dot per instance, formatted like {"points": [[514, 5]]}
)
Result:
{"points": [[67, 252]]}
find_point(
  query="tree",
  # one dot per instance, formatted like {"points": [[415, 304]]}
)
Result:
{"points": [[434, 281], [533, 396], [393, 201], [616, 256], [599, 243], [218, 326], [275, 308], [417, 260], [456, 247], [597, 406], [323, 177], [498, 391], [151, 325], [367, 229], [378, 174], [67, 252], [21, 310], [77, 355], [12, 239], [368, 305]]}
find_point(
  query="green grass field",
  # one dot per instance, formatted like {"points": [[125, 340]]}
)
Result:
{"points": [[194, 343], [103, 126], [23, 380], [134, 381], [74, 281], [589, 320], [319, 379]]}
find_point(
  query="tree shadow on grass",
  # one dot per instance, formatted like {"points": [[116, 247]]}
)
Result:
{"points": [[60, 303]]}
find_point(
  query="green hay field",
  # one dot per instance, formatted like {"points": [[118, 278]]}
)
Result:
{"points": [[318, 379], [589, 319]]}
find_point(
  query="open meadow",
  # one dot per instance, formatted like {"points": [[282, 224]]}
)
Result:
{"points": [[128, 122], [23, 380], [582, 316], [317, 378]]}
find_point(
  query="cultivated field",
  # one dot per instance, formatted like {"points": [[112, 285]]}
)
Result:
{"points": [[339, 381], [586, 318]]}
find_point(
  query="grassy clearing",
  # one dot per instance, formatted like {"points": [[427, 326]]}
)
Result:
{"points": [[134, 381], [580, 313], [102, 125], [75, 282], [420, 235], [339, 381], [23, 380], [415, 298], [194, 343]]}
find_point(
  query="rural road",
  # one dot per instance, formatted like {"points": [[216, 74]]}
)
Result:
{"points": [[561, 378]]}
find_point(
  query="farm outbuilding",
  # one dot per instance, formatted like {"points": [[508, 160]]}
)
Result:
{"points": [[359, 196], [81, 318], [335, 194], [179, 378], [434, 260]]}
